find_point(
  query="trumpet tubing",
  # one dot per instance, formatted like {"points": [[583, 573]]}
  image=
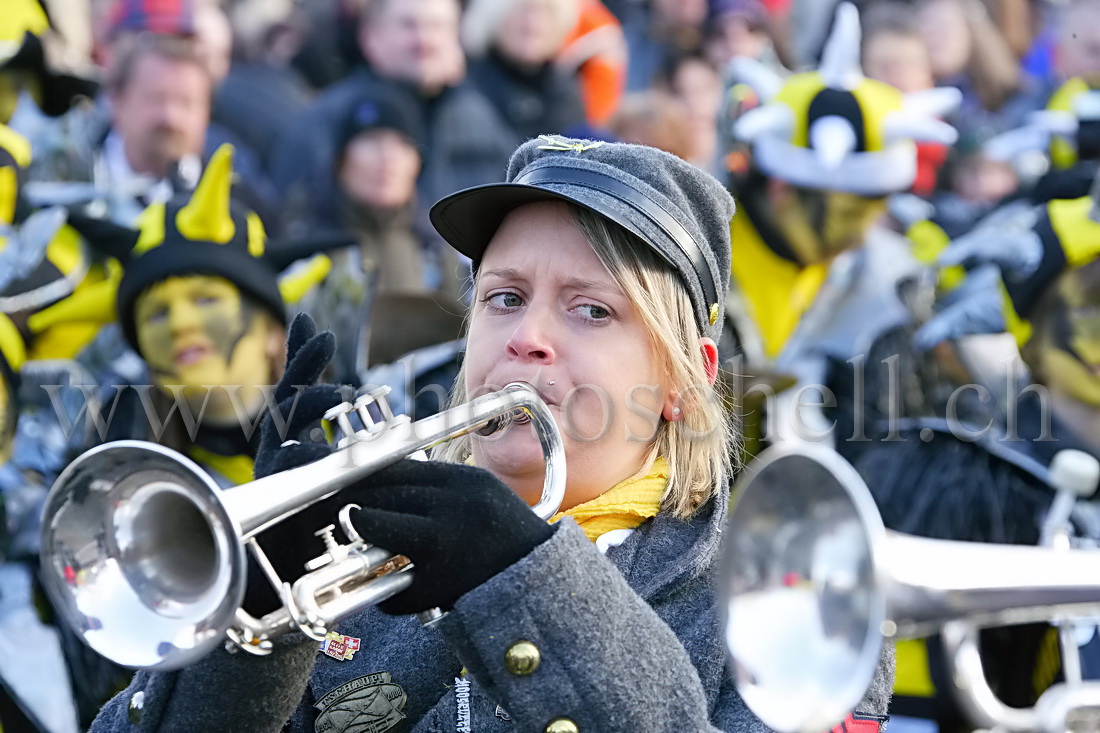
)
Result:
{"points": [[929, 583], [143, 554]]}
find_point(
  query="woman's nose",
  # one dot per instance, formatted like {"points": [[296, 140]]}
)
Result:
{"points": [[533, 338]]}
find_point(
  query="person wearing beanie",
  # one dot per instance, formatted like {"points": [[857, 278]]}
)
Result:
{"points": [[415, 47], [601, 272], [399, 288], [204, 21], [200, 302]]}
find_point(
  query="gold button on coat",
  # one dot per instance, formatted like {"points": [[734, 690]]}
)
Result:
{"points": [[137, 704], [562, 725], [522, 658]]}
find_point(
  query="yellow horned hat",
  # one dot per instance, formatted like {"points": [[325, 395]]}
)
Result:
{"points": [[23, 23], [19, 18], [204, 234], [835, 129]]}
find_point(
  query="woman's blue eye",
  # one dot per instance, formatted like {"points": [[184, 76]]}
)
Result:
{"points": [[505, 300], [596, 312]]}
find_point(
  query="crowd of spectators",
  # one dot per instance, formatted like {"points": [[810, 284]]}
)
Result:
{"points": [[284, 81]]}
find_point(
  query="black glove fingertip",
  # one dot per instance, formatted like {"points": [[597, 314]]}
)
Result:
{"points": [[302, 329], [308, 364]]}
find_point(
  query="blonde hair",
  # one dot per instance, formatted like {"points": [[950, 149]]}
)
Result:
{"points": [[699, 448]]}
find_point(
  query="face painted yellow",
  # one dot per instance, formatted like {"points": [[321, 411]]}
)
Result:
{"points": [[198, 330], [821, 224], [1070, 346]]}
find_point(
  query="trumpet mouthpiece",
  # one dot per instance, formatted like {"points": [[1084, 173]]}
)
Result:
{"points": [[497, 424]]}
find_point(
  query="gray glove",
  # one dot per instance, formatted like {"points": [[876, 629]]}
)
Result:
{"points": [[1017, 251], [976, 306]]}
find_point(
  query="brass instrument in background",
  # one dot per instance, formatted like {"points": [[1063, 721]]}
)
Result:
{"points": [[814, 585], [143, 554]]}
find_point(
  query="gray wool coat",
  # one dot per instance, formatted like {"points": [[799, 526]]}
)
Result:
{"points": [[628, 641]]}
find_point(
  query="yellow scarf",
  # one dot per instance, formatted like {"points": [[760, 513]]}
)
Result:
{"points": [[237, 469], [623, 506]]}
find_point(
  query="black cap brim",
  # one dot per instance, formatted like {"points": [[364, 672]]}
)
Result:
{"points": [[469, 218]]}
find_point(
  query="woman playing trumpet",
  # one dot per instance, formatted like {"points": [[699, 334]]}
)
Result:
{"points": [[600, 277]]}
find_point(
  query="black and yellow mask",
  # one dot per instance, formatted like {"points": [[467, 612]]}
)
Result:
{"points": [[839, 143], [819, 224], [1074, 126], [1069, 234]]}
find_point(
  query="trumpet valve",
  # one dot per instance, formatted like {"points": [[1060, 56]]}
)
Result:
{"points": [[334, 551], [377, 398], [341, 415], [371, 409]]}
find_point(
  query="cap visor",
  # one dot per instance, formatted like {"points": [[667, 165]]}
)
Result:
{"points": [[469, 219]]}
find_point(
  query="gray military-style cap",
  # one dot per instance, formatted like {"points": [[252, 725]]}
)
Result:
{"points": [[677, 209]]}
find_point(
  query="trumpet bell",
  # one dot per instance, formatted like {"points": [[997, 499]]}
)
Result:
{"points": [[141, 565], [799, 558]]}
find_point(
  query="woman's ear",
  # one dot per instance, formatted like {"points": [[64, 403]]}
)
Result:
{"points": [[673, 410], [709, 350]]}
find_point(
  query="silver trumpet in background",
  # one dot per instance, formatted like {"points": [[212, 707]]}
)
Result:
{"points": [[814, 585], [143, 554]]}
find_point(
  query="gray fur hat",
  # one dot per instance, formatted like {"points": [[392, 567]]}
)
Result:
{"points": [[674, 207]]}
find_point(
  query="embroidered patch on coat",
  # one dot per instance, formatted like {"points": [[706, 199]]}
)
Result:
{"points": [[370, 704], [339, 646]]}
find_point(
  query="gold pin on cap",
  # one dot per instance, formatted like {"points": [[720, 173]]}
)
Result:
{"points": [[713, 313], [556, 142]]}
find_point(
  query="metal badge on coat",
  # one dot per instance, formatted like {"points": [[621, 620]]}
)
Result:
{"points": [[370, 704]]}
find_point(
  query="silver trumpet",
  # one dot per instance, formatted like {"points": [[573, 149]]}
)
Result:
{"points": [[143, 555], [814, 585]]}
